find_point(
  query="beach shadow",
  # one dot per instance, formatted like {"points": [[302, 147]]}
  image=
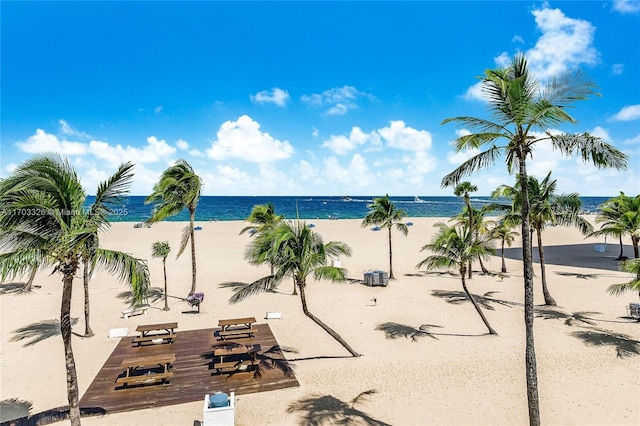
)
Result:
{"points": [[154, 294], [14, 408], [393, 330], [578, 318], [8, 288], [459, 297], [39, 331], [319, 410], [625, 346], [55, 415], [576, 275], [582, 256]]}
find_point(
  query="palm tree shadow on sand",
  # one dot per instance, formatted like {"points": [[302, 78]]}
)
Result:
{"points": [[14, 408], [39, 331], [580, 318], [625, 346], [17, 288], [393, 330], [320, 410], [487, 301], [154, 294]]}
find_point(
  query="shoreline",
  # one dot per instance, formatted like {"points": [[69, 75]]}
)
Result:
{"points": [[473, 378]]}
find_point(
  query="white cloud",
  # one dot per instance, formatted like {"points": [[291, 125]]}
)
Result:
{"points": [[46, 142], [601, 133], [276, 96], [68, 130], [184, 146], [398, 135], [632, 141], [158, 109], [626, 6], [617, 69], [243, 140], [627, 113], [339, 99], [155, 150], [341, 144], [475, 93], [565, 43], [517, 39], [355, 175]]}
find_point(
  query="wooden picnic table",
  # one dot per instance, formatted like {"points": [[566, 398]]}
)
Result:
{"points": [[236, 327], [151, 332], [148, 362], [240, 351]]}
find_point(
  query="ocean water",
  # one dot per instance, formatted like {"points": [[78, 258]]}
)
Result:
{"points": [[355, 207]]}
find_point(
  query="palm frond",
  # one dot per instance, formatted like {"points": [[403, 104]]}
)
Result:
{"points": [[259, 286], [128, 269], [475, 163]]}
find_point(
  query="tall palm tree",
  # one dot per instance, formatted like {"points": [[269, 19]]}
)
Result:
{"points": [[383, 212], [633, 267], [162, 249], [479, 225], [462, 190], [545, 208], [263, 218], [42, 205], [179, 187], [503, 231], [454, 247], [299, 253], [524, 111], [620, 216]]}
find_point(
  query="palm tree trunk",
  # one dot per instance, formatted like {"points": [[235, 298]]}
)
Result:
{"points": [[65, 328], [85, 283], [531, 367], [324, 326], [484, 269], [635, 240], [621, 255], [548, 300], [475, 305], [504, 265], [391, 277], [164, 268], [192, 216], [470, 211], [29, 283]]}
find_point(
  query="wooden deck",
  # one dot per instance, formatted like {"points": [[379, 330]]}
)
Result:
{"points": [[193, 373]]}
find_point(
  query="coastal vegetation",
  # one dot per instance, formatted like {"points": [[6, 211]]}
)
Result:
{"points": [[620, 216], [384, 212], [524, 112], [633, 267], [503, 232], [295, 251], [179, 187], [44, 220], [546, 209], [161, 249], [462, 190], [455, 247]]}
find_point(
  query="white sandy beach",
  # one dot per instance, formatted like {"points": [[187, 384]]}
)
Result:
{"points": [[588, 372]]}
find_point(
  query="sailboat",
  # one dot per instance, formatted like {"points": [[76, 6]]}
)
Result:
{"points": [[417, 199]]}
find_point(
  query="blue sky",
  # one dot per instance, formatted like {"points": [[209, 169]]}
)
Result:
{"points": [[303, 98]]}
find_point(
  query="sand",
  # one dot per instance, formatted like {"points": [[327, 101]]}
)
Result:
{"points": [[588, 371]]}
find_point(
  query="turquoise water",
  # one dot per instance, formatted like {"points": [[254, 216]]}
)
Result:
{"points": [[238, 208]]}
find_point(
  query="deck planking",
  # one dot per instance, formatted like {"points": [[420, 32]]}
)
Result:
{"points": [[193, 373]]}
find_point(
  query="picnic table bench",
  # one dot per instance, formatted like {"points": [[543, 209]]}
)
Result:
{"points": [[149, 362], [240, 351], [236, 326], [164, 332]]}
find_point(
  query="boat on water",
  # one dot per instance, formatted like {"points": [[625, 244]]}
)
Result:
{"points": [[346, 198], [417, 199]]}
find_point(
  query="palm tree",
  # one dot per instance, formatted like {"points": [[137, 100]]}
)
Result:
{"points": [[545, 208], [523, 112], [454, 247], [162, 249], [295, 251], [264, 218], [462, 190], [620, 216], [384, 213], [503, 232], [179, 187], [633, 267], [42, 205], [13, 265]]}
